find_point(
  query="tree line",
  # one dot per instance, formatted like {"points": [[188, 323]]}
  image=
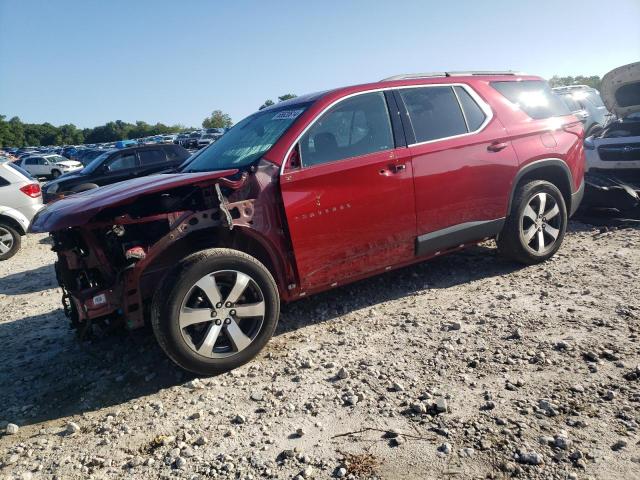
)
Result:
{"points": [[15, 133]]}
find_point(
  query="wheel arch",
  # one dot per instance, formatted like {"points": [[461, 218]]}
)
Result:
{"points": [[13, 223], [553, 170], [240, 238]]}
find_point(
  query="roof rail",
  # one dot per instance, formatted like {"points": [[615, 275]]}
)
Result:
{"points": [[569, 87], [411, 76]]}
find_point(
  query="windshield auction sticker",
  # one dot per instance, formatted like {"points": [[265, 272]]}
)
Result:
{"points": [[287, 114]]}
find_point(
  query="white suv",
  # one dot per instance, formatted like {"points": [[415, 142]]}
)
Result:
{"points": [[20, 200], [49, 165]]}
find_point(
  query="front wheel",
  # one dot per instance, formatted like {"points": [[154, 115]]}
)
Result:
{"points": [[536, 225], [55, 173], [215, 311]]}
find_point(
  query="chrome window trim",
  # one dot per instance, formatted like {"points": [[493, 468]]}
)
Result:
{"points": [[464, 114], [484, 106]]}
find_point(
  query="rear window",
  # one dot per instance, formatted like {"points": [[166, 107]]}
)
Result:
{"points": [[20, 170], [533, 97], [570, 102]]}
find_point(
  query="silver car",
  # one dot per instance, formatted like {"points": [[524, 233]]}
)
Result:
{"points": [[20, 200]]}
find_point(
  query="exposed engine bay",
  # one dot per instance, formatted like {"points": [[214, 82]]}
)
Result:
{"points": [[110, 266]]}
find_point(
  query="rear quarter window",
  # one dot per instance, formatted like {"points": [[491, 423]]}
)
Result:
{"points": [[533, 97], [474, 115], [176, 154]]}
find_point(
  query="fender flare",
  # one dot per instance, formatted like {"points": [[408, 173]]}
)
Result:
{"points": [[536, 165], [15, 218]]}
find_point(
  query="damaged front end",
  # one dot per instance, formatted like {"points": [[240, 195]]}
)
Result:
{"points": [[115, 244], [612, 177], [619, 190]]}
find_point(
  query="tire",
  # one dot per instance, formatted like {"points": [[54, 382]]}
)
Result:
{"points": [[55, 173], [197, 329], [525, 227], [10, 241], [84, 187]]}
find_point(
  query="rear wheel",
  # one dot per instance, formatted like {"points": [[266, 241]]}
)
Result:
{"points": [[9, 241], [215, 311], [536, 226]]}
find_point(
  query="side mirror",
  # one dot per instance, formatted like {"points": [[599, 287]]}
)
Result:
{"points": [[293, 162]]}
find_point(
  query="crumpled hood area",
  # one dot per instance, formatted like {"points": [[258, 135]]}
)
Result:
{"points": [[620, 90], [80, 208]]}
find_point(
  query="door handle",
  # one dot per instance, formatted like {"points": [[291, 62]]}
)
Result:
{"points": [[392, 169], [496, 147]]}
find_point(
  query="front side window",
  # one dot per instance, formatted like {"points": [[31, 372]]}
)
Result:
{"points": [[434, 112], [533, 97], [356, 126]]}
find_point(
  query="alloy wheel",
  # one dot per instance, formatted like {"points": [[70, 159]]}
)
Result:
{"points": [[222, 314], [541, 223], [6, 240]]}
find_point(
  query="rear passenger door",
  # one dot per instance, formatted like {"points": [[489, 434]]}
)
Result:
{"points": [[152, 160], [462, 162]]}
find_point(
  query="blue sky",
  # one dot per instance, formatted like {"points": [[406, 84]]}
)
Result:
{"points": [[88, 61]]}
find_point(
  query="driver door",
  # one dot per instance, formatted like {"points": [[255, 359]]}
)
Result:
{"points": [[350, 204]]}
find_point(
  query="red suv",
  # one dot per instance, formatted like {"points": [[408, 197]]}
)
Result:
{"points": [[313, 193]]}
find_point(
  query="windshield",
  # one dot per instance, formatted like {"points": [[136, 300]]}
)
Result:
{"points": [[246, 141], [95, 162]]}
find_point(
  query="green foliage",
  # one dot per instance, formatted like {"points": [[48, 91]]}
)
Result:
{"points": [[14, 133], [281, 98], [267, 103], [218, 119], [592, 81], [286, 96]]}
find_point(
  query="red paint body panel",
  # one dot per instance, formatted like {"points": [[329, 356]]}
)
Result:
{"points": [[349, 217]]}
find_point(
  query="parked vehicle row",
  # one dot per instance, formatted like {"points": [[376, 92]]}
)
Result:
{"points": [[116, 165], [199, 138], [316, 192]]}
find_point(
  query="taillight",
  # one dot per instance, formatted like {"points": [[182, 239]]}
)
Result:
{"points": [[32, 189]]}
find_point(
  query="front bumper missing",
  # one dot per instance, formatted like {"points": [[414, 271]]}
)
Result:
{"points": [[619, 189]]}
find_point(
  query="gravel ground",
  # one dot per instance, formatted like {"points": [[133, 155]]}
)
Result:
{"points": [[464, 367]]}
